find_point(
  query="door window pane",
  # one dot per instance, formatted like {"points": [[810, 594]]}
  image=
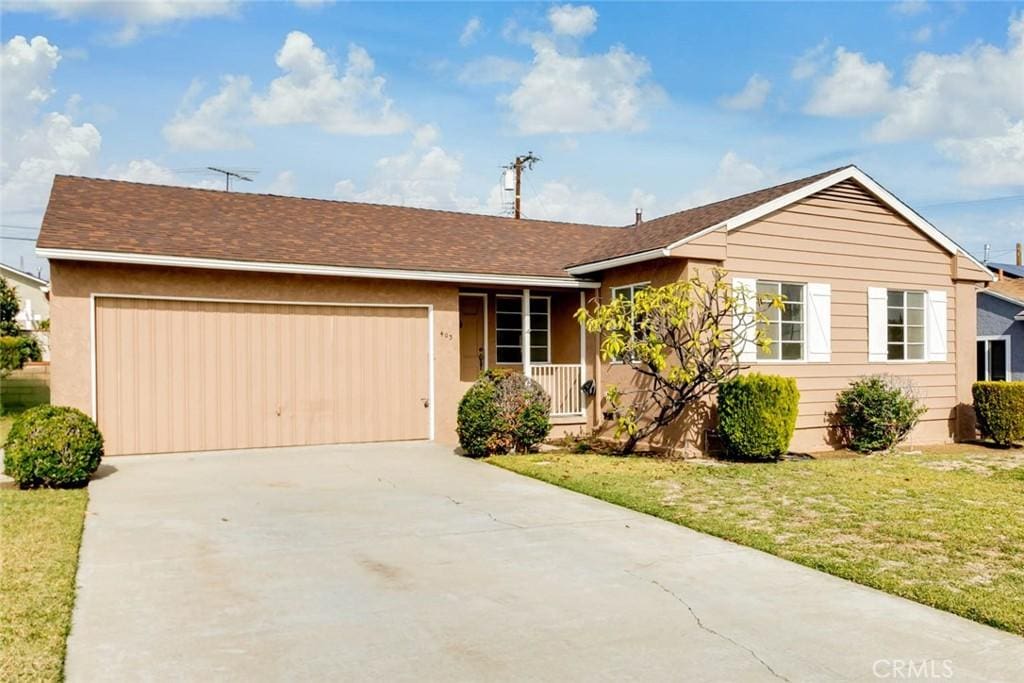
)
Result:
{"points": [[997, 360]]}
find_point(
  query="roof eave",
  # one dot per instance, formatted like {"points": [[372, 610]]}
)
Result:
{"points": [[307, 269]]}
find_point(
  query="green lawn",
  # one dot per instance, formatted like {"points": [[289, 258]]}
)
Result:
{"points": [[945, 528], [40, 532]]}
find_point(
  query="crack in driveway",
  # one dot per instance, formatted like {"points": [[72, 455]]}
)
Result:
{"points": [[704, 627]]}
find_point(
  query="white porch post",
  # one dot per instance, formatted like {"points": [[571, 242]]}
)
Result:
{"points": [[583, 342], [525, 343]]}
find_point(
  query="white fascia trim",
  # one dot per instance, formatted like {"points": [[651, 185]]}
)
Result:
{"points": [[690, 238], [303, 269], [638, 257], [886, 197]]}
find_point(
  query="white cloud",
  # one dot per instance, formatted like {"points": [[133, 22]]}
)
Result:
{"points": [[567, 200], [973, 93], [470, 31], [855, 87], [492, 69], [133, 16], [573, 20], [910, 8], [283, 183], [149, 171], [923, 34], [733, 176], [992, 160], [567, 93], [810, 62], [752, 96], [312, 91], [424, 176], [37, 144], [216, 122]]}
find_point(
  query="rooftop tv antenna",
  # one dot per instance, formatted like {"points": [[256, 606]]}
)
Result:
{"points": [[228, 173], [233, 173]]}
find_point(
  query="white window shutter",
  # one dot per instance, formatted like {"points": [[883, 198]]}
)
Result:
{"points": [[937, 326], [819, 322], [745, 333], [878, 316]]}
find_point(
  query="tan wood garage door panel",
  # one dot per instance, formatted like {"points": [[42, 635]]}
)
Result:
{"points": [[192, 376]]}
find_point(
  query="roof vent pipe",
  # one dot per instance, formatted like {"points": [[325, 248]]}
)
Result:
{"points": [[639, 216]]}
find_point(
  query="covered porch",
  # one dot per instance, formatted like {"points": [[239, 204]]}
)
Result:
{"points": [[532, 331]]}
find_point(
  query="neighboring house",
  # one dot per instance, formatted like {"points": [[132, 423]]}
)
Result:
{"points": [[32, 294], [191, 319], [1001, 331], [1007, 270]]}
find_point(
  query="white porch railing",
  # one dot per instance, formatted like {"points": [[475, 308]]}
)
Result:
{"points": [[562, 382]]}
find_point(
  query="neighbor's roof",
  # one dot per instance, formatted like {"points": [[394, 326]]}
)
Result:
{"points": [[29, 276], [116, 216], [1012, 289], [1009, 269]]}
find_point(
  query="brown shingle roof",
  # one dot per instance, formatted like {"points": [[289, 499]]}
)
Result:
{"points": [[1013, 288], [115, 216], [663, 231]]}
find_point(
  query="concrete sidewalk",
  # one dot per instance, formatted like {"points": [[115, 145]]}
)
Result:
{"points": [[405, 562]]}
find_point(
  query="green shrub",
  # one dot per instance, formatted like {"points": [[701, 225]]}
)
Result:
{"points": [[757, 415], [18, 350], [503, 411], [999, 407], [53, 447], [875, 413]]}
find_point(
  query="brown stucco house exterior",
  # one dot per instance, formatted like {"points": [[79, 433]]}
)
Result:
{"points": [[190, 320]]}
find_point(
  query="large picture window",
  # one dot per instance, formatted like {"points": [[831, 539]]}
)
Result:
{"points": [[905, 325], [509, 329], [786, 329]]}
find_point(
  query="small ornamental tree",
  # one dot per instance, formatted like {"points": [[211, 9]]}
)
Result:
{"points": [[683, 339]]}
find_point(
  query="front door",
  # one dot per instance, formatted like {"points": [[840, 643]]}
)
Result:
{"points": [[471, 337]]}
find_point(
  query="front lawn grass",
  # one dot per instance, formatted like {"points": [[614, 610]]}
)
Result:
{"points": [[944, 527], [40, 532]]}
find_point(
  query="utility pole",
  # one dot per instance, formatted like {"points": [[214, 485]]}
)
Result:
{"points": [[523, 160], [1020, 254]]}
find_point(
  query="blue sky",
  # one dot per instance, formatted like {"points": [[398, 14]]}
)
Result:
{"points": [[661, 106]]}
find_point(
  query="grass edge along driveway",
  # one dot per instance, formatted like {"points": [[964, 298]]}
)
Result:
{"points": [[40, 534], [943, 528]]}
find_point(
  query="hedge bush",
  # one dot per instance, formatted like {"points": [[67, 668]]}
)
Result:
{"points": [[999, 407], [757, 415], [53, 447], [875, 413], [503, 412]]}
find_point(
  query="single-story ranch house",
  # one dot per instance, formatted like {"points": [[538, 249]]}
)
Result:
{"points": [[187, 320]]}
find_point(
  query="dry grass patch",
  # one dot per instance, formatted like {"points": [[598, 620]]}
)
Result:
{"points": [[40, 532], [942, 527]]}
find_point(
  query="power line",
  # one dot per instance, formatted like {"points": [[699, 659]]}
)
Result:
{"points": [[18, 239]]}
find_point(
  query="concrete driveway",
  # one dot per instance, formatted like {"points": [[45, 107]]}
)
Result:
{"points": [[403, 562]]}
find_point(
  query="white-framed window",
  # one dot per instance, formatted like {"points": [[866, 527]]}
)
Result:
{"points": [[627, 292], [785, 329], [994, 358], [509, 329], [905, 324]]}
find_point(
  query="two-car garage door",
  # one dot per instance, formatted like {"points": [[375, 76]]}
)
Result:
{"points": [[183, 375]]}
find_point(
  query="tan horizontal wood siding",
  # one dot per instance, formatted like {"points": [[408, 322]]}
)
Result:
{"points": [[844, 237], [178, 375]]}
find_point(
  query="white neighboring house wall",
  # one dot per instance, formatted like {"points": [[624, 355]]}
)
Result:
{"points": [[33, 296]]}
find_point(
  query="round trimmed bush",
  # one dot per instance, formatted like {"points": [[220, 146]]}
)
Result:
{"points": [[757, 415], [503, 412], [875, 413], [999, 407], [53, 447]]}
